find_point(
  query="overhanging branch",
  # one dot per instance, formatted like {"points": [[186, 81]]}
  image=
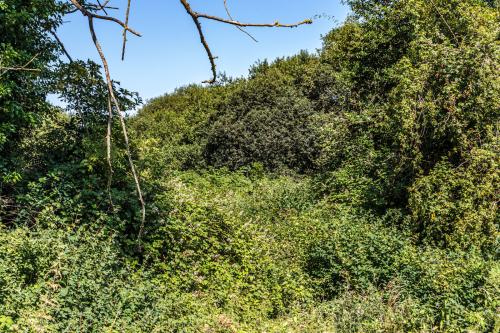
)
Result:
{"points": [[196, 16]]}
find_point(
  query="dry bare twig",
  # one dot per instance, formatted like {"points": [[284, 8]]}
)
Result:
{"points": [[108, 151], [63, 48], [228, 12], [21, 68], [125, 30], [196, 16], [87, 13]]}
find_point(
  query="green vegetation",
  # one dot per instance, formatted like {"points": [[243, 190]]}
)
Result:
{"points": [[353, 190]]}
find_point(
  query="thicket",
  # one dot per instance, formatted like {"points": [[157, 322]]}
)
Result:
{"points": [[352, 190]]}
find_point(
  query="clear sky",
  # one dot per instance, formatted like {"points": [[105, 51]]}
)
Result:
{"points": [[170, 55]]}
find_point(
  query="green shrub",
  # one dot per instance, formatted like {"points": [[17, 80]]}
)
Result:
{"points": [[207, 241], [356, 254], [77, 280], [460, 288], [267, 120], [454, 290], [456, 207], [353, 191], [171, 130]]}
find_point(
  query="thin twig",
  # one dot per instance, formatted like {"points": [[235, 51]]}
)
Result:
{"points": [[97, 7], [6, 69], [239, 28], [85, 12], [23, 67], [61, 45], [203, 41], [103, 7], [125, 30], [108, 152], [275, 24]]}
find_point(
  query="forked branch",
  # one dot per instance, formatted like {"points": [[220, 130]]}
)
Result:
{"points": [[127, 14], [196, 16], [88, 13], [24, 67]]}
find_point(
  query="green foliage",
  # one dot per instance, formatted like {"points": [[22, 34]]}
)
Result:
{"points": [[460, 289], [410, 90], [267, 120], [80, 85], [355, 255], [355, 190], [203, 245], [72, 281], [456, 207], [23, 42], [172, 128], [452, 289]]}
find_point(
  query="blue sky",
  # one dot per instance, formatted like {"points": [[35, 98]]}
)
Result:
{"points": [[169, 53]]}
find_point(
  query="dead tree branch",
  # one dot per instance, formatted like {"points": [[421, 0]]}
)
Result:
{"points": [[103, 6], [108, 151], [87, 13], [21, 68], [122, 122], [63, 48], [125, 30], [196, 16]]}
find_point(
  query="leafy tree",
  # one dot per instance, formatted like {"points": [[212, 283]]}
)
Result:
{"points": [[25, 54], [267, 120]]}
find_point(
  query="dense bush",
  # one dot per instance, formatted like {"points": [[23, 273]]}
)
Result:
{"points": [[355, 255], [202, 245], [452, 289], [411, 89], [78, 281], [354, 190], [456, 207], [172, 129], [267, 120]]}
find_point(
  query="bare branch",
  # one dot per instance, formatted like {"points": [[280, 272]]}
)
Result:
{"points": [[6, 69], [275, 24], [196, 19], [125, 30], [105, 4], [61, 45], [122, 122], [21, 68], [103, 7], [85, 12], [97, 7], [203, 41], [108, 151]]}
